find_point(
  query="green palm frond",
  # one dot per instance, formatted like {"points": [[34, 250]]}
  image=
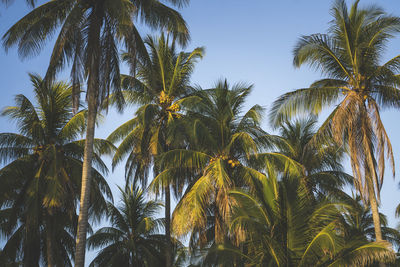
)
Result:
{"points": [[75, 126], [350, 57], [190, 210], [13, 146], [132, 235], [366, 254], [303, 101], [42, 180], [184, 158]]}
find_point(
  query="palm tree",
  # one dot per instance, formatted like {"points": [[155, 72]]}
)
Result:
{"points": [[90, 34], [358, 222], [133, 238], [284, 227], [350, 56], [41, 179], [322, 171], [221, 139], [160, 86]]}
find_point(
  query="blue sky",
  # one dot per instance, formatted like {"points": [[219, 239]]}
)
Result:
{"points": [[248, 41]]}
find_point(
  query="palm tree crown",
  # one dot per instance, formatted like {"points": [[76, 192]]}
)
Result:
{"points": [[41, 179], [133, 238], [284, 227], [350, 55], [322, 171], [221, 140], [90, 35], [160, 87]]}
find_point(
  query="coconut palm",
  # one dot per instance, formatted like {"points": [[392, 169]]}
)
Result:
{"points": [[284, 227], [349, 55], [41, 180], [221, 141], [133, 238], [322, 171], [160, 86], [358, 222], [90, 34], [38, 237]]}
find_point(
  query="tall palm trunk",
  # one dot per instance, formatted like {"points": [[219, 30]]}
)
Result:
{"points": [[168, 252], [92, 87], [372, 191], [32, 249], [376, 219], [86, 179], [218, 227], [49, 244]]}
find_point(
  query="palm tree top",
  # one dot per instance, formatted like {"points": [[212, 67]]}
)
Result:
{"points": [[358, 84], [134, 237], [46, 121], [93, 31], [353, 47]]}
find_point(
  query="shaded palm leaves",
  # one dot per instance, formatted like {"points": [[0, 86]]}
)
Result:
{"points": [[358, 222], [90, 34], [221, 139], [161, 87], [321, 168], [133, 238], [41, 179], [284, 227], [349, 55]]}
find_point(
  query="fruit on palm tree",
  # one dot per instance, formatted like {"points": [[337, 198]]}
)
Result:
{"points": [[90, 34], [133, 238], [284, 227], [160, 86], [221, 140], [42, 177], [349, 55]]}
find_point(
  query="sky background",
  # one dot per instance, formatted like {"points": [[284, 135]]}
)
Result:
{"points": [[245, 41]]}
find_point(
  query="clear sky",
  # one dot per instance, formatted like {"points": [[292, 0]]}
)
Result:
{"points": [[248, 41]]}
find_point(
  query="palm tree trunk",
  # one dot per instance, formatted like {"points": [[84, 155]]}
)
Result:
{"points": [[376, 219], [168, 252], [32, 245], [86, 179], [49, 245], [92, 93], [131, 259], [218, 231]]}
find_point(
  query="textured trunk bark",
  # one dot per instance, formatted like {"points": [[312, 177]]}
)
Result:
{"points": [[86, 179], [32, 246], [49, 246], [131, 260], [375, 217], [94, 50], [218, 231], [168, 255], [377, 221]]}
